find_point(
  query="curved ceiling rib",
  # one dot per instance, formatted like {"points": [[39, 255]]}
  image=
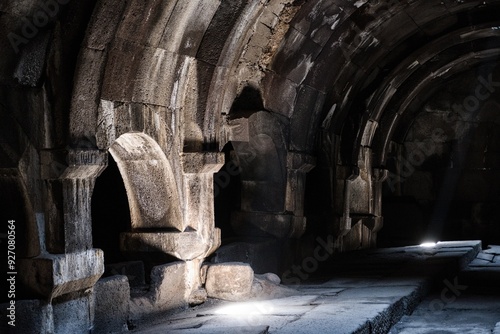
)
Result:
{"points": [[451, 54], [431, 81]]}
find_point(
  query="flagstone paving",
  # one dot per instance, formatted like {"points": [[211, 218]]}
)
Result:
{"points": [[467, 304], [365, 292]]}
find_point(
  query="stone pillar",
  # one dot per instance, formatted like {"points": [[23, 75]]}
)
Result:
{"points": [[271, 213], [361, 204], [172, 284], [67, 265], [378, 177], [287, 221], [298, 165], [68, 213]]}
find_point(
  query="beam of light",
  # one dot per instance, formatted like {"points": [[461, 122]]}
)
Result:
{"points": [[428, 244], [247, 309]]}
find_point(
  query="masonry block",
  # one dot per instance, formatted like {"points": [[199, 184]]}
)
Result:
{"points": [[31, 316], [169, 284], [72, 314], [111, 304], [229, 281]]}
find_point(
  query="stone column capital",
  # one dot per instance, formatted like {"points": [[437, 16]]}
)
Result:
{"points": [[67, 164], [53, 275]]}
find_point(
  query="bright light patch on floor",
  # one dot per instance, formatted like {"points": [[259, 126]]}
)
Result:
{"points": [[428, 244], [247, 309]]}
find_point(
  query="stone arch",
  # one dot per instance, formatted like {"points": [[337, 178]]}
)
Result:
{"points": [[326, 74], [150, 183], [312, 61]]}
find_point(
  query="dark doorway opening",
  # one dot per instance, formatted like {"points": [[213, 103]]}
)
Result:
{"points": [[110, 212]]}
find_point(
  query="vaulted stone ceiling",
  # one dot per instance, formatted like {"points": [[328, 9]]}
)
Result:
{"points": [[303, 56], [342, 77]]}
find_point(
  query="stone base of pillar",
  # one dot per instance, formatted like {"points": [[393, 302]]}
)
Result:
{"points": [[268, 224], [71, 313]]}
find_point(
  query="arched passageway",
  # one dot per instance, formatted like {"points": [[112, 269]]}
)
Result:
{"points": [[443, 183], [326, 107]]}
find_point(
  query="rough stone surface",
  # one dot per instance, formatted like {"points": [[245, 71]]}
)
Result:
{"points": [[395, 102], [229, 281], [198, 297], [111, 298], [203, 272], [496, 330], [263, 288], [31, 316], [493, 249], [467, 314], [72, 314], [271, 277], [359, 298], [169, 290], [169, 285], [183, 246], [56, 275]]}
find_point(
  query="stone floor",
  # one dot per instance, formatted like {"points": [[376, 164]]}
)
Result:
{"points": [[469, 305], [470, 313], [373, 291]]}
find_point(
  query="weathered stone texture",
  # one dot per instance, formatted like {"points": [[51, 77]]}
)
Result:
{"points": [[229, 281], [55, 275], [102, 28], [31, 316], [111, 298], [169, 283], [73, 314], [145, 29], [86, 94], [187, 25], [357, 88]]}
